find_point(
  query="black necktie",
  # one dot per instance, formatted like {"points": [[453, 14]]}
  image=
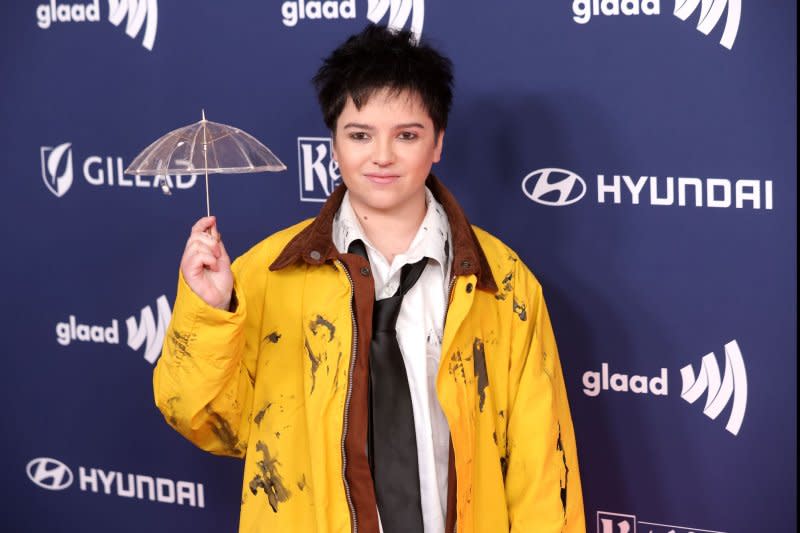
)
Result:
{"points": [[391, 438]]}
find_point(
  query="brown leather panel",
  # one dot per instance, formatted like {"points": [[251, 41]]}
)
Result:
{"points": [[450, 517], [316, 237], [468, 257], [357, 473], [314, 244]]}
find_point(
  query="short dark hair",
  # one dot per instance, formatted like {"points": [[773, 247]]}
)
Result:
{"points": [[378, 58]]}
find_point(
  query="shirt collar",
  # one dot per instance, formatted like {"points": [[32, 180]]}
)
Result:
{"points": [[432, 239], [313, 244]]}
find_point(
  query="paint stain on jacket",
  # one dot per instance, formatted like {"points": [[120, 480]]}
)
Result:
{"points": [[519, 309], [222, 429], [273, 337], [479, 364], [507, 287], [171, 417], [456, 367], [269, 480], [180, 343], [560, 447], [321, 321], [261, 412], [314, 366]]}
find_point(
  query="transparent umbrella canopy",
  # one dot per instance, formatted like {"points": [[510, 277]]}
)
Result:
{"points": [[204, 147]]}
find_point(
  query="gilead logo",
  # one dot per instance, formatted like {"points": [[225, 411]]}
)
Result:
{"points": [[98, 171], [57, 168]]}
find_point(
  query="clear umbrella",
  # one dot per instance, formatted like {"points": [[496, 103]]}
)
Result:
{"points": [[204, 147]]}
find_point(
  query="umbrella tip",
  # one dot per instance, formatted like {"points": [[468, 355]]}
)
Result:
{"points": [[203, 113]]}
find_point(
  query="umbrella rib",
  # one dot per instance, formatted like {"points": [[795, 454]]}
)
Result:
{"points": [[192, 145], [157, 145], [246, 157]]}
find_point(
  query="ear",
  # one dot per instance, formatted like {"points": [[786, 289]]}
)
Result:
{"points": [[334, 155], [437, 149]]}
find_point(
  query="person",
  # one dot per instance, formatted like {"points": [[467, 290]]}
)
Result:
{"points": [[285, 358]]}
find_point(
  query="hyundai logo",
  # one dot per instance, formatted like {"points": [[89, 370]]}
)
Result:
{"points": [[50, 474], [554, 186]]}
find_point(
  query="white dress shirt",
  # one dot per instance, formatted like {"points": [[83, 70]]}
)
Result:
{"points": [[419, 333]]}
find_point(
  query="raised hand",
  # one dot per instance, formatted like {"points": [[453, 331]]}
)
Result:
{"points": [[206, 266]]}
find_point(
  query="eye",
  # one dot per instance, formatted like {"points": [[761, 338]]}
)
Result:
{"points": [[358, 136], [408, 135]]}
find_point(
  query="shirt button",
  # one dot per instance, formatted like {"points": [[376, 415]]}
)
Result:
{"points": [[365, 271], [315, 255], [469, 287]]}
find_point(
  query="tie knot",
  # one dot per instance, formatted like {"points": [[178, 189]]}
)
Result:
{"points": [[386, 311]]}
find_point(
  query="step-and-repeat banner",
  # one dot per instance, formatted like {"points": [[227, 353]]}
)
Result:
{"points": [[638, 154]]}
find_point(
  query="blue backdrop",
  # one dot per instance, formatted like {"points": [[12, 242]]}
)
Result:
{"points": [[639, 155]]}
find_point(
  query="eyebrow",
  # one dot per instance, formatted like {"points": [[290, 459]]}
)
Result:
{"points": [[360, 126]]}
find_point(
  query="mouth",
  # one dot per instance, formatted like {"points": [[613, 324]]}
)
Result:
{"points": [[382, 179]]}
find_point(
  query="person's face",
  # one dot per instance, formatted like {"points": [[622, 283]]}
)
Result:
{"points": [[385, 151]]}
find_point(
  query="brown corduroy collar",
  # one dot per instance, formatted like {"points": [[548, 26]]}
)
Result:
{"points": [[314, 244]]}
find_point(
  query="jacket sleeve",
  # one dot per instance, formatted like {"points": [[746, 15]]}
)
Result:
{"points": [[203, 382], [543, 487]]}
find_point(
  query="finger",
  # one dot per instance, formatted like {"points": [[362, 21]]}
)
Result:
{"points": [[224, 258], [198, 244], [203, 260], [204, 224], [215, 233]]}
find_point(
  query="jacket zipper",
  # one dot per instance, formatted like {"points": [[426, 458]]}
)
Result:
{"points": [[446, 309], [353, 517]]}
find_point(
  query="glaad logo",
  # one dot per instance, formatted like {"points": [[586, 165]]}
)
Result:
{"points": [[399, 12], [558, 187], [319, 172], [627, 523], [554, 186], [149, 331], [733, 384], [710, 13], [295, 10], [720, 391], [57, 172], [138, 12], [50, 474]]}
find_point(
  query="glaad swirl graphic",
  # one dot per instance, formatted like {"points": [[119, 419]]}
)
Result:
{"points": [[399, 11]]}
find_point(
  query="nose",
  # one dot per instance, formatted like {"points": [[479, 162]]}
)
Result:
{"points": [[383, 153]]}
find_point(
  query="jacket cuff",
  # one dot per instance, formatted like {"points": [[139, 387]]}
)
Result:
{"points": [[191, 315]]}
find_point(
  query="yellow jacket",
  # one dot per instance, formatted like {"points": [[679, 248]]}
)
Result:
{"points": [[281, 382]]}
